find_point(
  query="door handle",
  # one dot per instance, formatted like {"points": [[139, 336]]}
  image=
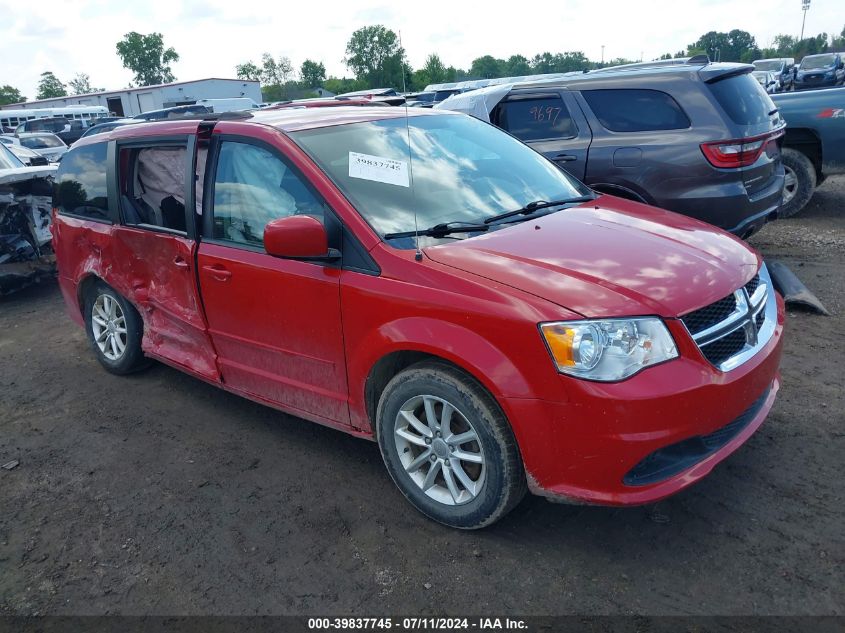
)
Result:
{"points": [[565, 158], [218, 272], [180, 262]]}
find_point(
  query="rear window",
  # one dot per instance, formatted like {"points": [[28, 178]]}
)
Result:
{"points": [[41, 142], [743, 99], [774, 66], [536, 118], [636, 110], [80, 187]]}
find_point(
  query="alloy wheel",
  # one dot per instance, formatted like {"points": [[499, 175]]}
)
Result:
{"points": [[108, 324], [440, 450]]}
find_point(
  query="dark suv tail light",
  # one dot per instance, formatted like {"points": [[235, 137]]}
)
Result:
{"points": [[740, 152]]}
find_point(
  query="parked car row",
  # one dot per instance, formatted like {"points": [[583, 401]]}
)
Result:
{"points": [[825, 70]]}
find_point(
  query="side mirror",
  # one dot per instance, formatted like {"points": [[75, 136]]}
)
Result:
{"points": [[298, 237]]}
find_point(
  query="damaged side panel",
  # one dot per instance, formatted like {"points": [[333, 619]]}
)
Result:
{"points": [[155, 271]]}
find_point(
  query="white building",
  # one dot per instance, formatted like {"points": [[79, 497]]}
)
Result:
{"points": [[132, 101]]}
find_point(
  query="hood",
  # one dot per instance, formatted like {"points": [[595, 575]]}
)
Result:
{"points": [[610, 258]]}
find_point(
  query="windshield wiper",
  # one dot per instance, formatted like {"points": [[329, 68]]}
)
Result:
{"points": [[440, 230], [531, 207]]}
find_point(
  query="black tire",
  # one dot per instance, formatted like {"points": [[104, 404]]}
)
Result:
{"points": [[501, 475], [797, 195], [131, 358]]}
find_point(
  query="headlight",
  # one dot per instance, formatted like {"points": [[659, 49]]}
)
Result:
{"points": [[608, 350]]}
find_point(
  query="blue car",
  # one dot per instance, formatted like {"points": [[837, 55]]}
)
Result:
{"points": [[820, 71]]}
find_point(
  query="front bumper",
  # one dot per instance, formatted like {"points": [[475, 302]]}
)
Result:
{"points": [[584, 449]]}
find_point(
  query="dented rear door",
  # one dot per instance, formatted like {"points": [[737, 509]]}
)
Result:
{"points": [[154, 266]]}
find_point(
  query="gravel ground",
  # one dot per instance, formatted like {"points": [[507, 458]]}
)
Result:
{"points": [[159, 494]]}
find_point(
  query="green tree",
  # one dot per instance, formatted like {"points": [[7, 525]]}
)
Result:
{"points": [[81, 84], [373, 53], [784, 45], [569, 61], [10, 94], [487, 67], [339, 86], [838, 41], [312, 73], [275, 71], [49, 86], [147, 58], [727, 47], [432, 72], [517, 65], [248, 71]]}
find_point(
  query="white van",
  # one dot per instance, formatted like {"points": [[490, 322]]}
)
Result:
{"points": [[229, 105]]}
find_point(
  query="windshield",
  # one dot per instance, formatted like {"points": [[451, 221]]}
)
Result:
{"points": [[773, 66], [463, 170], [822, 61], [41, 142], [763, 78], [9, 160]]}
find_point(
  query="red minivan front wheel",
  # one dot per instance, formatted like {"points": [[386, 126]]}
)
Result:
{"points": [[448, 447]]}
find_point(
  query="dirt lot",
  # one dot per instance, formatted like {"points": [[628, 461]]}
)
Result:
{"points": [[159, 494]]}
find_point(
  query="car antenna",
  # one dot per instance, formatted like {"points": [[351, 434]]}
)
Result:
{"points": [[418, 255]]}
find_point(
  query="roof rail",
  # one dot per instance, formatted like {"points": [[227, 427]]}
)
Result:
{"points": [[658, 63], [203, 116]]}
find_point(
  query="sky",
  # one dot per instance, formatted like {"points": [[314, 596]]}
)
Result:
{"points": [[213, 36]]}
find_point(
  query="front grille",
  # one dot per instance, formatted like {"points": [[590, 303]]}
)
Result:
{"points": [[709, 316], [751, 286], [675, 458], [728, 332], [722, 349]]}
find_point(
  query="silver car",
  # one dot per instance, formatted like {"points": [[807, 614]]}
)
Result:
{"points": [[48, 145]]}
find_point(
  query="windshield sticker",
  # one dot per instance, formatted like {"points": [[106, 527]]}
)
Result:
{"points": [[378, 169]]}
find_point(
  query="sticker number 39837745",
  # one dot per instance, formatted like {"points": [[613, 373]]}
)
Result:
{"points": [[378, 169]]}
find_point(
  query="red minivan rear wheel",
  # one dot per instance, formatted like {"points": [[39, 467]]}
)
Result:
{"points": [[448, 446], [114, 329]]}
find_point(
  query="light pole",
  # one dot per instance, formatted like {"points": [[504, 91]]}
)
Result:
{"points": [[805, 5], [602, 46]]}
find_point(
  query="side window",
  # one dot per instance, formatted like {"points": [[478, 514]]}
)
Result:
{"points": [[152, 186], [253, 186], [80, 187], [636, 110], [536, 118]]}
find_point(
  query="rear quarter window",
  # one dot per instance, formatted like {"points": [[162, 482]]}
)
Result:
{"points": [[536, 118], [743, 99], [636, 110], [80, 187]]}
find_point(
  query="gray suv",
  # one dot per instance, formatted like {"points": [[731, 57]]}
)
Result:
{"points": [[699, 138]]}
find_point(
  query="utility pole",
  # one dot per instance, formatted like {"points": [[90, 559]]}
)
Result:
{"points": [[805, 5]]}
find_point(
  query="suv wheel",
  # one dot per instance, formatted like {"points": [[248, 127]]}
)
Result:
{"points": [[448, 447], [800, 182], [114, 329]]}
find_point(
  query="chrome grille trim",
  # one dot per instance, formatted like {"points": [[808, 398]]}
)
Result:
{"points": [[744, 317]]}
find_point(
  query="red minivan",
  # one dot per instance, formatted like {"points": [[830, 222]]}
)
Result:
{"points": [[424, 280]]}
